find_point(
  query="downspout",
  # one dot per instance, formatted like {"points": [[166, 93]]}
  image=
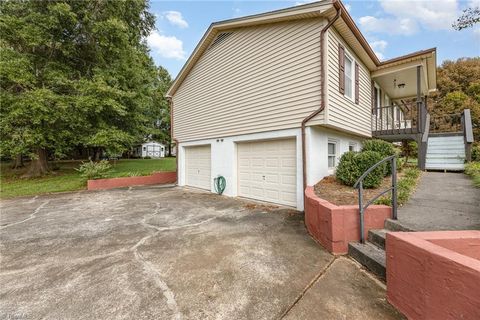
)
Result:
{"points": [[170, 104], [322, 92]]}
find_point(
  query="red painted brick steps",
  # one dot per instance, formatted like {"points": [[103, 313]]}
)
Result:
{"points": [[156, 178]]}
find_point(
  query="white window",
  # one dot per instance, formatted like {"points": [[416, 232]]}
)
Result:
{"points": [[332, 154], [352, 146], [349, 76]]}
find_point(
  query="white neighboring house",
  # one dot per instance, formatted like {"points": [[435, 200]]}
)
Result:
{"points": [[150, 149], [272, 101]]}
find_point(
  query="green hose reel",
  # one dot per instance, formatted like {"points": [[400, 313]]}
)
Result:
{"points": [[219, 183]]}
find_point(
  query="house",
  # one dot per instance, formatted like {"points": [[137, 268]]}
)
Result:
{"points": [[150, 149], [271, 101]]}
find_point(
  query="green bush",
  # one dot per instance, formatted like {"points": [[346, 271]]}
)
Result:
{"points": [[405, 187], [94, 170], [365, 160], [476, 152], [384, 148], [353, 164], [473, 170], [347, 170], [406, 184]]}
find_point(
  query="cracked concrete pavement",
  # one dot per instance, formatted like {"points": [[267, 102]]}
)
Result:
{"points": [[171, 253]]}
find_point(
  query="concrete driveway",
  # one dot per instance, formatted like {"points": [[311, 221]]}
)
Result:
{"points": [[171, 253]]}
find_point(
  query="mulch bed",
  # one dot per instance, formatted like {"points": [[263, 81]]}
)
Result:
{"points": [[334, 192]]}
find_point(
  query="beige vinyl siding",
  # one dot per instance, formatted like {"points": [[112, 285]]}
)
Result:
{"points": [[342, 112], [257, 79]]}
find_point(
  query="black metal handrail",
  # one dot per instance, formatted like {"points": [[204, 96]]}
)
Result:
{"points": [[359, 185]]}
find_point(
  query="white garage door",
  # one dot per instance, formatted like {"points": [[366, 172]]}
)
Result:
{"points": [[197, 166], [267, 171]]}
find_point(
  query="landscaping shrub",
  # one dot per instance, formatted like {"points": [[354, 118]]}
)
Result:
{"points": [[473, 170], [476, 152], [130, 174], [365, 160], [405, 187], [384, 148], [347, 170], [353, 164], [94, 170]]}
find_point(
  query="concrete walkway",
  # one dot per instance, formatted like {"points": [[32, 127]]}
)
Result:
{"points": [[442, 201]]}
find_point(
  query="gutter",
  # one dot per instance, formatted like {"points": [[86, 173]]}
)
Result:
{"points": [[323, 94], [170, 104]]}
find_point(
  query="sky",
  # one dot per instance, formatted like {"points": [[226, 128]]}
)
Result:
{"points": [[392, 27]]}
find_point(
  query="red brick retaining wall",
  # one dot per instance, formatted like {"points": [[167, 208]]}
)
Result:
{"points": [[335, 226], [156, 178], [434, 275]]}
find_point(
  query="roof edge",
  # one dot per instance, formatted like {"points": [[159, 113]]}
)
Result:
{"points": [[408, 56]]}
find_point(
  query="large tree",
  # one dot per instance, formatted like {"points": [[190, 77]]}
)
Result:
{"points": [[458, 88], [159, 116], [73, 73]]}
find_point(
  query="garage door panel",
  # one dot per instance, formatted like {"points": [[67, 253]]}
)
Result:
{"points": [[289, 180], [267, 171], [272, 178], [272, 163], [272, 195], [289, 197], [198, 166], [289, 163]]}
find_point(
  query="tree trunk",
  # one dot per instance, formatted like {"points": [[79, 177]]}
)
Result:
{"points": [[38, 166], [18, 162], [98, 153]]}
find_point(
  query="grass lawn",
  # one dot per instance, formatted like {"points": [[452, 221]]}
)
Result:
{"points": [[66, 178]]}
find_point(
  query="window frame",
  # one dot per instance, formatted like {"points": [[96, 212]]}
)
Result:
{"points": [[353, 145], [349, 56], [334, 155]]}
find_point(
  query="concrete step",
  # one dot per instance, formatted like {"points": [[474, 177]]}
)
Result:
{"points": [[447, 167], [377, 237], [441, 151], [445, 139], [370, 256], [453, 137], [445, 160], [445, 144], [396, 225], [448, 154]]}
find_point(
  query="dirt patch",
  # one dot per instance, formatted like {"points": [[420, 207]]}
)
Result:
{"points": [[260, 207], [330, 189]]}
